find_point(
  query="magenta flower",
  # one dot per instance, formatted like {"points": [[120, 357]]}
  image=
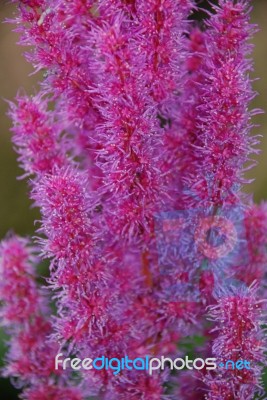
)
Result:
{"points": [[51, 392], [36, 136], [238, 316], [129, 133], [136, 147], [255, 223], [18, 289], [24, 315], [223, 123]]}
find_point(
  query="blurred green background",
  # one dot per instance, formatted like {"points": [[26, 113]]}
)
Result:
{"points": [[15, 208]]}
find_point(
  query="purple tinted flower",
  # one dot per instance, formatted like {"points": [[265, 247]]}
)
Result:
{"points": [[191, 386], [65, 206], [223, 122], [138, 386], [162, 25], [253, 268], [140, 114], [24, 314], [82, 261], [45, 392], [36, 136], [18, 290], [238, 316], [129, 133]]}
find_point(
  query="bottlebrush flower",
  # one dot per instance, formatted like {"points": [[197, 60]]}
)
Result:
{"points": [[252, 268], [238, 316], [24, 315], [66, 205], [105, 324], [82, 261], [58, 49], [36, 136], [129, 134], [18, 289], [140, 114], [181, 133], [163, 27], [223, 143]]}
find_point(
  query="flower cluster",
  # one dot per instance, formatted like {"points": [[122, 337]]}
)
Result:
{"points": [[237, 317], [25, 316], [136, 147]]}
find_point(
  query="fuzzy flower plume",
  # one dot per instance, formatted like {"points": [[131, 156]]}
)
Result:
{"points": [[163, 23], [136, 146], [91, 315], [65, 208], [96, 313], [182, 132], [140, 72], [130, 133], [59, 51], [17, 280], [36, 136], [24, 315], [238, 316], [253, 268], [221, 149], [223, 143]]}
